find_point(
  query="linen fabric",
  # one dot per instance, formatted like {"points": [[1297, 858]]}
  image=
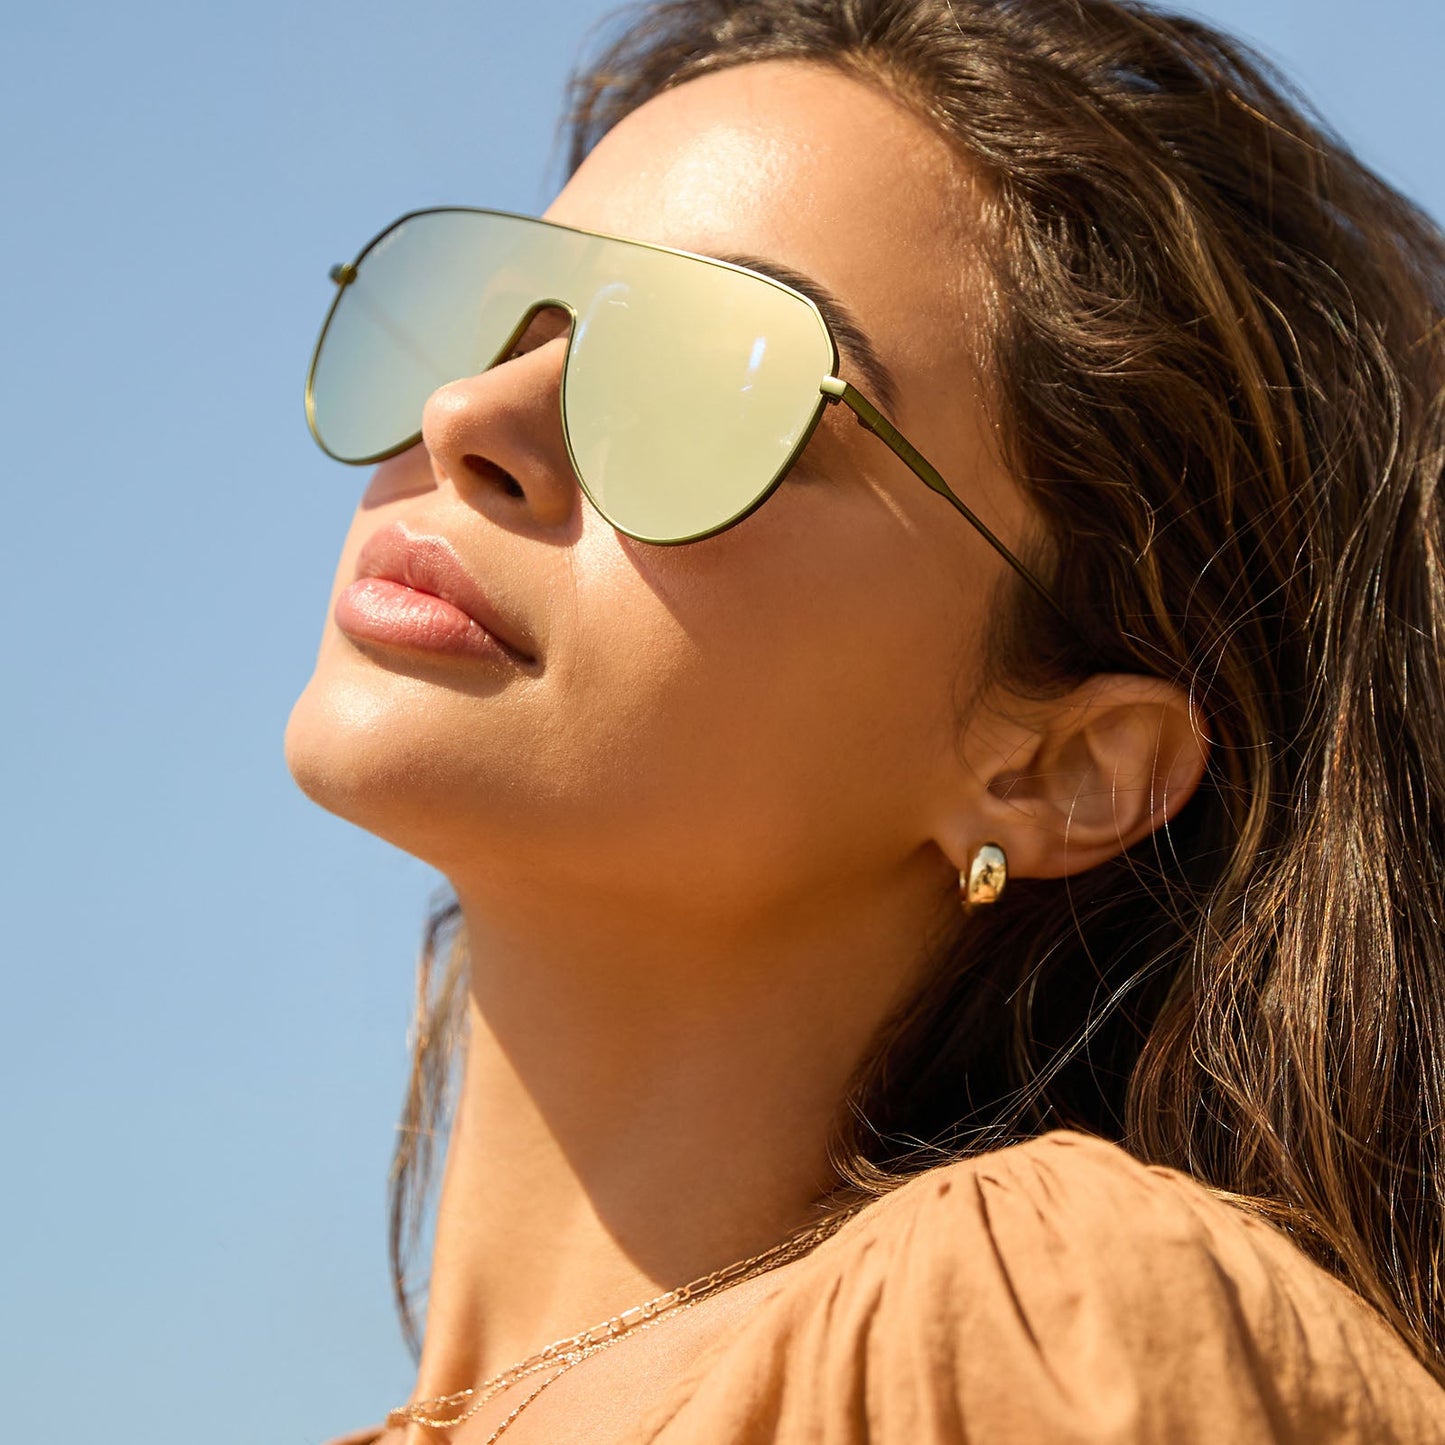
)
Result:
{"points": [[1056, 1291]]}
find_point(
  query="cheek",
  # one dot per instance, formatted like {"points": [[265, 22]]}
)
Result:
{"points": [[793, 698]]}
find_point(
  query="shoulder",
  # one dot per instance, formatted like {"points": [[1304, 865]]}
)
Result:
{"points": [[1060, 1290], [1067, 1211], [1073, 1233], [1131, 1293]]}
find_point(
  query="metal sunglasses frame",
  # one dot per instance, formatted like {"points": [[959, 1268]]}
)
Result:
{"points": [[832, 389]]}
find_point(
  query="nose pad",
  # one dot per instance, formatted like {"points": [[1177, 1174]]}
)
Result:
{"points": [[497, 436]]}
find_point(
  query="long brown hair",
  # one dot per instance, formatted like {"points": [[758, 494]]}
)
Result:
{"points": [[1220, 366]]}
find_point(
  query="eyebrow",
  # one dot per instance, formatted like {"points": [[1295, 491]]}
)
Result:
{"points": [[852, 340]]}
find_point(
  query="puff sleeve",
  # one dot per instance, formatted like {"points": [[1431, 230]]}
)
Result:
{"points": [[1057, 1291]]}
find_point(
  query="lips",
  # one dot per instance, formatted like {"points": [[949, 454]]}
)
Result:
{"points": [[412, 590]]}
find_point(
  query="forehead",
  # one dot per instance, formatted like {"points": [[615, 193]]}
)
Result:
{"points": [[798, 163]]}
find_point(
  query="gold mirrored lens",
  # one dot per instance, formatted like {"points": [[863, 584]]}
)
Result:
{"points": [[689, 389], [690, 385], [414, 317]]}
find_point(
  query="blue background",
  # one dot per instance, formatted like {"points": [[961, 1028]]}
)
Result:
{"points": [[207, 980]]}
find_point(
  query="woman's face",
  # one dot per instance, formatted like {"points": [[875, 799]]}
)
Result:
{"points": [[760, 720]]}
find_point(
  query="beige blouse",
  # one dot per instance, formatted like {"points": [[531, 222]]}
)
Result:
{"points": [[1058, 1291]]}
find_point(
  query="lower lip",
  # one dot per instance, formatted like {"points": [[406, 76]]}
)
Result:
{"points": [[374, 609]]}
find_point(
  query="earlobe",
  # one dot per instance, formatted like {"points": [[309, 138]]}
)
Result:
{"points": [[1113, 761]]}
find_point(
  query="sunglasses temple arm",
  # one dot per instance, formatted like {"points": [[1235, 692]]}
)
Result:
{"points": [[874, 421]]}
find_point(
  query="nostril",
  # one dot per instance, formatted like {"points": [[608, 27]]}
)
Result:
{"points": [[490, 472]]}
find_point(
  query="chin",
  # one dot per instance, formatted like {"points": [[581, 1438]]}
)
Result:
{"points": [[390, 754], [332, 754], [358, 753]]}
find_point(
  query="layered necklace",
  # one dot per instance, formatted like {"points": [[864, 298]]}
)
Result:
{"points": [[443, 1412]]}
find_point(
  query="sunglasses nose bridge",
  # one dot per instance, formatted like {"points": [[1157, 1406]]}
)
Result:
{"points": [[528, 321]]}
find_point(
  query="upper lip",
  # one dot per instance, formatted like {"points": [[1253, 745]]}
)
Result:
{"points": [[430, 564]]}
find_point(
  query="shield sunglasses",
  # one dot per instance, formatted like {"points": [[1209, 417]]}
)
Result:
{"points": [[690, 385]]}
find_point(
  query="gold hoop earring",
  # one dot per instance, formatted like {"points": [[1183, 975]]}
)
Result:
{"points": [[987, 874]]}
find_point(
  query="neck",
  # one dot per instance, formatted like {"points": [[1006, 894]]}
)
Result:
{"points": [[638, 1108]]}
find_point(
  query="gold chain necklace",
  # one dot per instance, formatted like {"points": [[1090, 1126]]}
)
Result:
{"points": [[436, 1413]]}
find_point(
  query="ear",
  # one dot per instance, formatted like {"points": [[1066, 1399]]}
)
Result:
{"points": [[1101, 769]]}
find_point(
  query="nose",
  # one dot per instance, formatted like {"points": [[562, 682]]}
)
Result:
{"points": [[497, 437]]}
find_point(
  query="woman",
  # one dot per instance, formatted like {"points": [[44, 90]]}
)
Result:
{"points": [[728, 730]]}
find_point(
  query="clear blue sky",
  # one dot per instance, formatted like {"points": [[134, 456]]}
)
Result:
{"points": [[206, 980]]}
